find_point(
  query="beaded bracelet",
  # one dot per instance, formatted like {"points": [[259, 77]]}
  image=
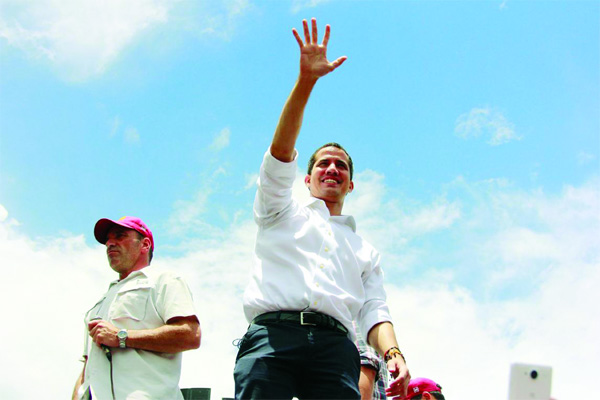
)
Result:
{"points": [[392, 351]]}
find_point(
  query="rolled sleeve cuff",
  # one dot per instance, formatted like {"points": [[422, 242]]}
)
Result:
{"points": [[369, 360], [280, 169], [374, 312]]}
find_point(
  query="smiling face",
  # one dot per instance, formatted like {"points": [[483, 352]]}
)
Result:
{"points": [[330, 178], [127, 250]]}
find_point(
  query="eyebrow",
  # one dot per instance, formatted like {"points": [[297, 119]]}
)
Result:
{"points": [[336, 159]]}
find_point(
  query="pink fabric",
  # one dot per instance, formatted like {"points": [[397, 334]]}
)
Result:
{"points": [[420, 385], [103, 226]]}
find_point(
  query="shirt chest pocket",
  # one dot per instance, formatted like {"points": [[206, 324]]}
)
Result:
{"points": [[131, 302]]}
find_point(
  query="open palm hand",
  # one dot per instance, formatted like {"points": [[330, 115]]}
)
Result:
{"points": [[313, 56]]}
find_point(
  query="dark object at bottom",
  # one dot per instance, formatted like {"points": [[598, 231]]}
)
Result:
{"points": [[196, 393]]}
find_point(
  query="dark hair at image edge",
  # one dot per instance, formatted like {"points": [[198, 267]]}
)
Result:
{"points": [[313, 158], [437, 395]]}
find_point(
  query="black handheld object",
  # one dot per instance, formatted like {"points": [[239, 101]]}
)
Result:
{"points": [[109, 357], [103, 346]]}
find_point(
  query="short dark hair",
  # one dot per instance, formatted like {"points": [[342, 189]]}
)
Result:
{"points": [[313, 158], [151, 252], [436, 395]]}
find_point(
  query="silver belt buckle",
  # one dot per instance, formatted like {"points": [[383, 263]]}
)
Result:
{"points": [[302, 318]]}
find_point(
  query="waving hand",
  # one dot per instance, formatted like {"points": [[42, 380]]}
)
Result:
{"points": [[313, 56], [313, 65]]}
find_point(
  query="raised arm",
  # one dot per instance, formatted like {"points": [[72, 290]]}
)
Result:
{"points": [[313, 65]]}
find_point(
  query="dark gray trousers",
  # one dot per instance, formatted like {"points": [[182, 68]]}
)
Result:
{"points": [[282, 360]]}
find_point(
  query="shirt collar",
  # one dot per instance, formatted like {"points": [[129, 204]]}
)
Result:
{"points": [[131, 276], [319, 205]]}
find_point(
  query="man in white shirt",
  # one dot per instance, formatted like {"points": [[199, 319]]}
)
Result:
{"points": [[135, 334], [313, 273]]}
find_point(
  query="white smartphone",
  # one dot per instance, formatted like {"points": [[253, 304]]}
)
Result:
{"points": [[529, 382]]}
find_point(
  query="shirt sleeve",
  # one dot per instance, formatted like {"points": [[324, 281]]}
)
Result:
{"points": [[274, 191], [368, 356], [174, 298], [86, 340], [375, 309]]}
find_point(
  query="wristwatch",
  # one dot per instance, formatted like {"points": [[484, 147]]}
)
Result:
{"points": [[122, 336]]}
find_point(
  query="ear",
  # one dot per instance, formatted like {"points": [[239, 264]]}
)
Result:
{"points": [[307, 181], [427, 396], [146, 245], [351, 187]]}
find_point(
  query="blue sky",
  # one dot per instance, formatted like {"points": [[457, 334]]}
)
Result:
{"points": [[474, 128]]}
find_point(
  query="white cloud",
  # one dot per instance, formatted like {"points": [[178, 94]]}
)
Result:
{"points": [[371, 203], [251, 181], [132, 136], [115, 123], [538, 226], [221, 140], [3, 213], [390, 222], [46, 287], [186, 215], [446, 329], [447, 335], [299, 5], [488, 122], [584, 158], [80, 39], [435, 217], [213, 18], [129, 135]]}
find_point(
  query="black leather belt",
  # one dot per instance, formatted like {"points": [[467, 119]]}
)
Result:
{"points": [[303, 318]]}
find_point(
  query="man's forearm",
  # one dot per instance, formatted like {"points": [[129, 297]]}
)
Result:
{"points": [[382, 337], [366, 382], [290, 121], [170, 338], [78, 384]]}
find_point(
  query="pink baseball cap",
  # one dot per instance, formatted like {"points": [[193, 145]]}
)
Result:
{"points": [[420, 385], [103, 226]]}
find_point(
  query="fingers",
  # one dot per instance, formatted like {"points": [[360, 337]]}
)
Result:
{"points": [[94, 328], [338, 62], [313, 32], [306, 32], [102, 332], [399, 387], [326, 37], [297, 36], [393, 369]]}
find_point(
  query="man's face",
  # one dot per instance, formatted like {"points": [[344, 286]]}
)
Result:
{"points": [[329, 179], [124, 249]]}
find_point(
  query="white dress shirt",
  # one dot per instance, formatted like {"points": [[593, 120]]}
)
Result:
{"points": [[146, 299], [306, 259]]}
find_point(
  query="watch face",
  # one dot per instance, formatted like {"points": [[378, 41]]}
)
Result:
{"points": [[122, 334]]}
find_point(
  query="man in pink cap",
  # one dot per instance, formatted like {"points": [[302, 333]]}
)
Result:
{"points": [[423, 388], [141, 325]]}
